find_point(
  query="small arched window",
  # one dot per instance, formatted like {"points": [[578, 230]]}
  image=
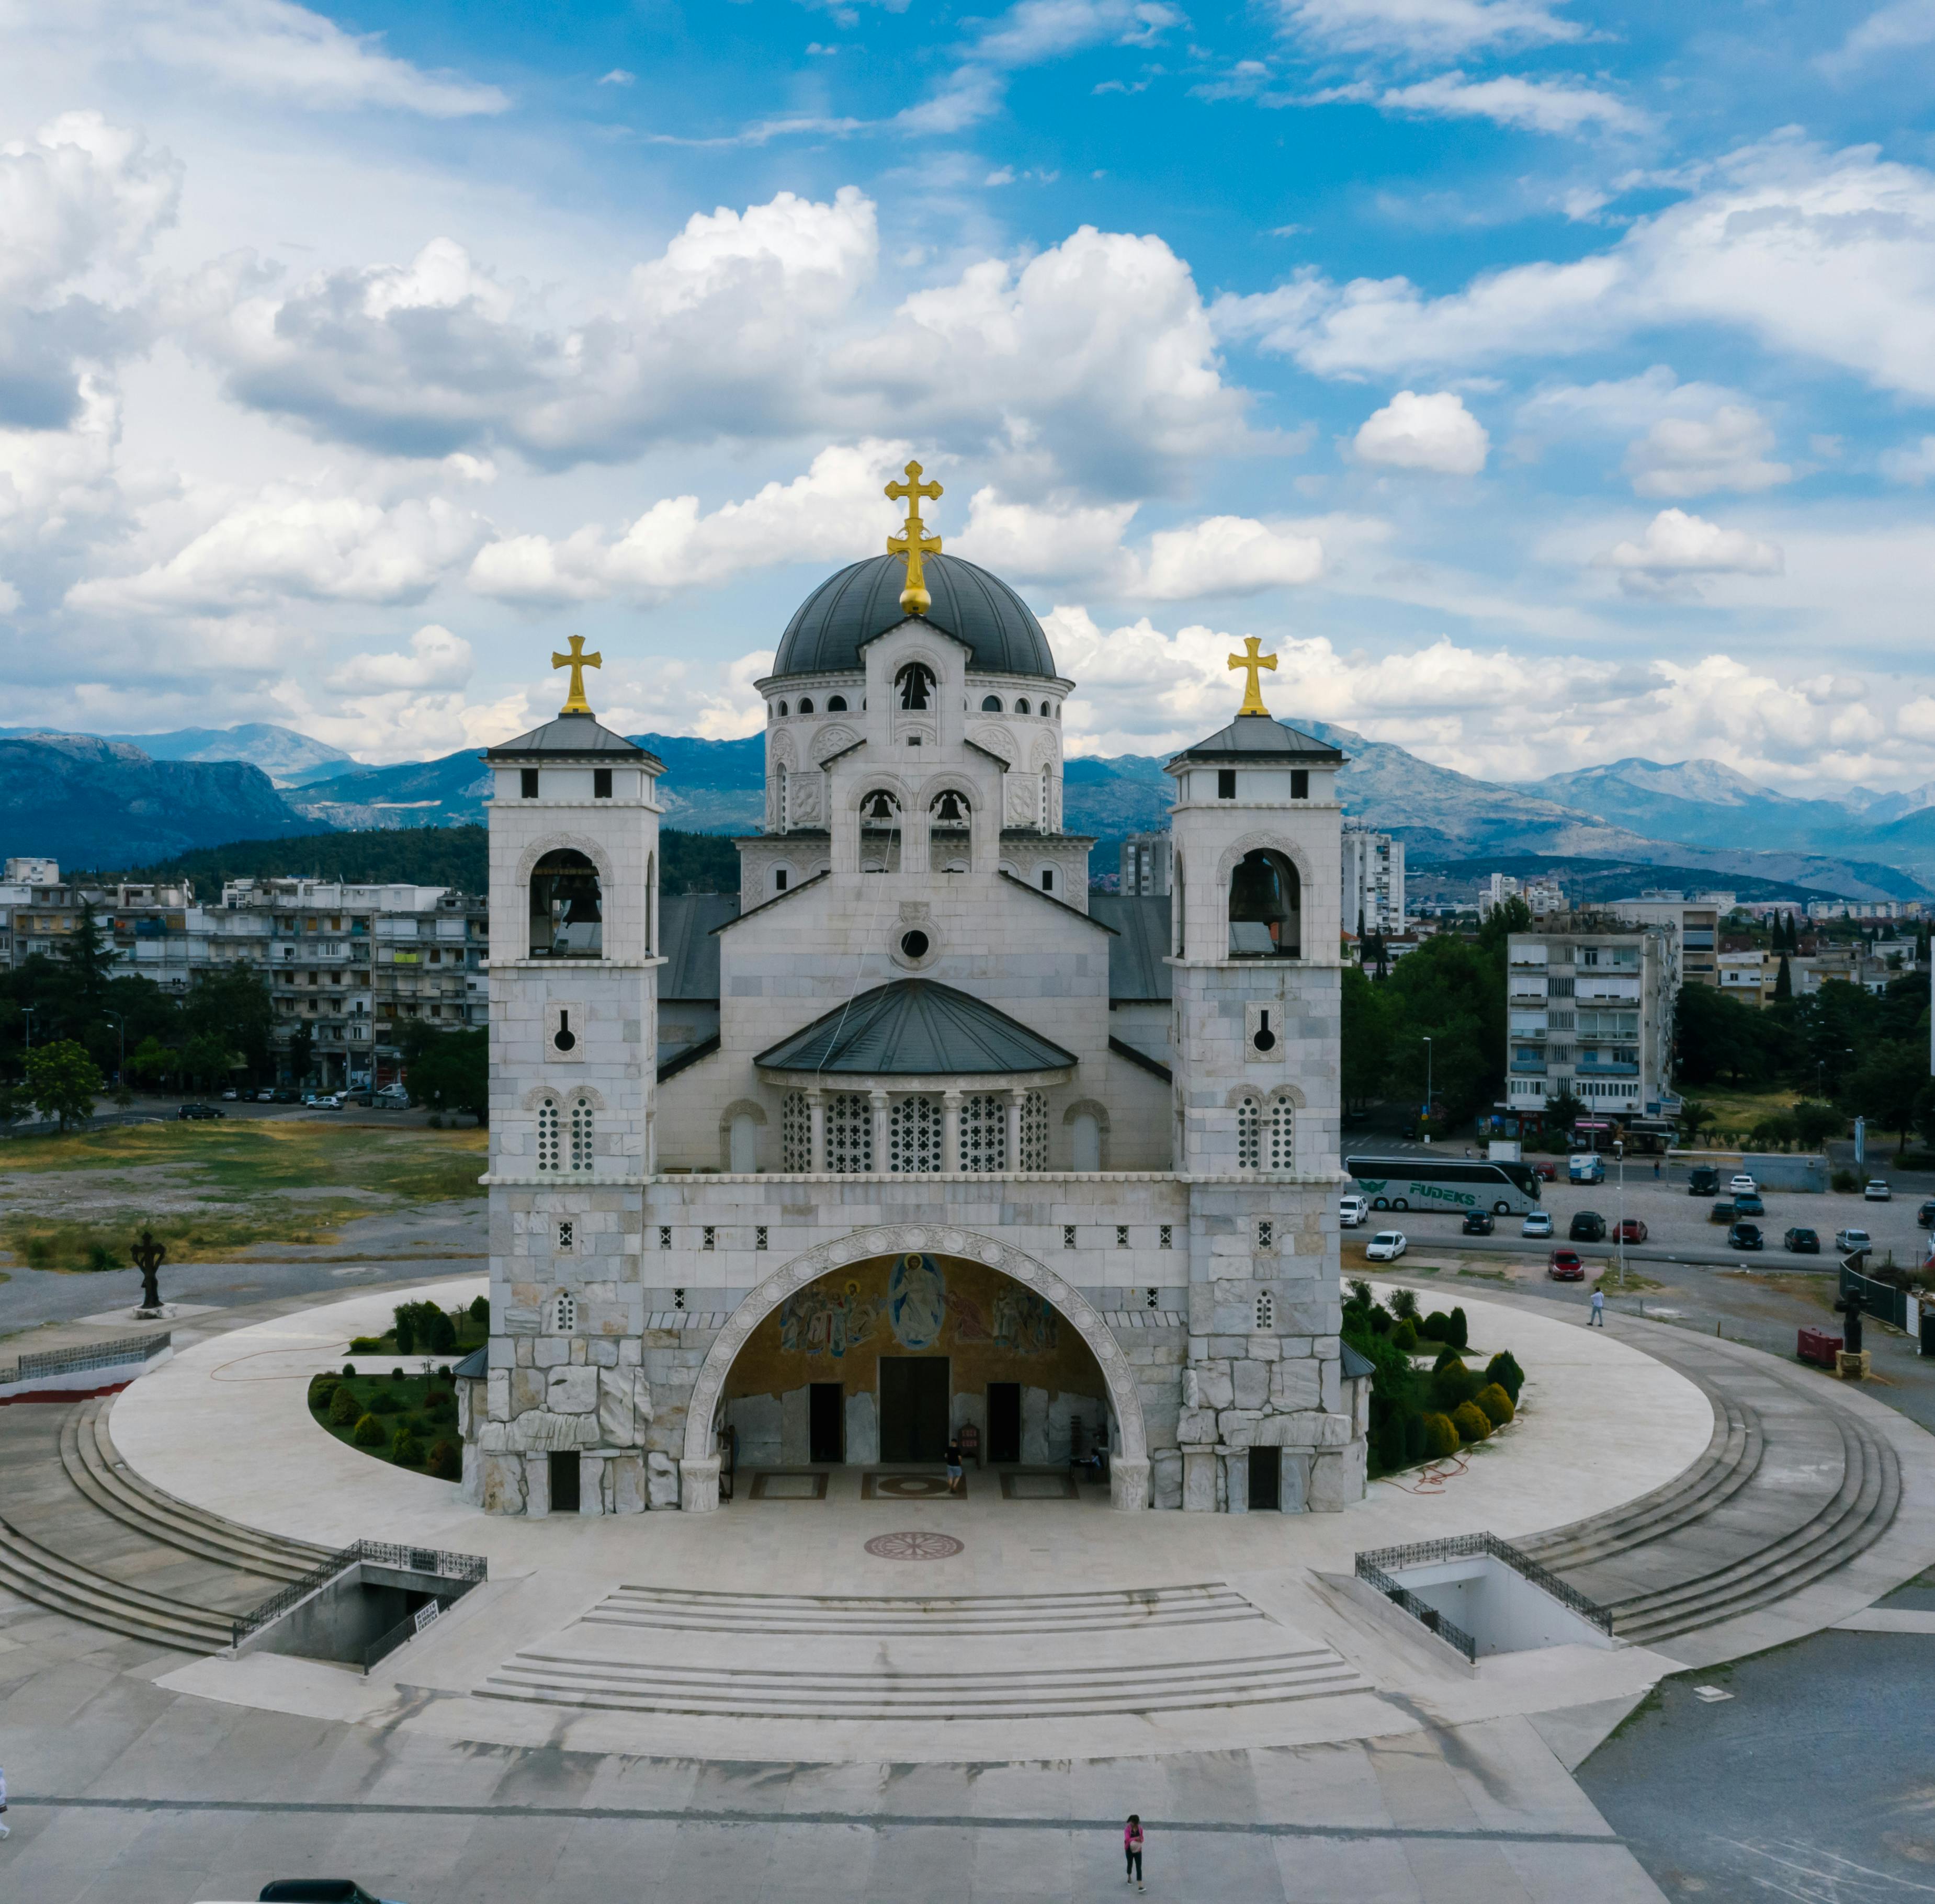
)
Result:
{"points": [[1249, 1122], [991, 703], [880, 810], [780, 880], [1265, 906], [1048, 878], [581, 1136], [916, 683], [836, 704], [1086, 1141], [782, 710], [1283, 1135], [1022, 705], [547, 1158], [949, 811], [742, 1145], [806, 703], [567, 911]]}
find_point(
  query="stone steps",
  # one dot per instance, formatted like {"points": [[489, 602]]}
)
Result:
{"points": [[880, 1692], [939, 1615], [98, 1473], [51, 1580]]}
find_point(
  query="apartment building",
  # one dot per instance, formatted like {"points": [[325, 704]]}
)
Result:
{"points": [[1373, 881], [1589, 1012], [1146, 865], [1543, 898], [1696, 922]]}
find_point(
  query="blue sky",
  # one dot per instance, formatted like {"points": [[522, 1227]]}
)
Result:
{"points": [[1547, 381]]}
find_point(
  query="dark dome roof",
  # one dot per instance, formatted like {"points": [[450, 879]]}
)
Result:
{"points": [[847, 610]]}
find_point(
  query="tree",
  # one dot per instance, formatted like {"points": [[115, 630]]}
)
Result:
{"points": [[453, 1073], [64, 1081], [1888, 1086], [1366, 1038], [1562, 1112], [1694, 1117], [302, 1053], [233, 1003], [1815, 1124], [1717, 1037], [152, 1061], [207, 1058], [89, 960], [1783, 981]]}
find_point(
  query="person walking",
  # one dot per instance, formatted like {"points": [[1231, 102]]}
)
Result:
{"points": [[1597, 1319], [1132, 1850], [954, 1474]]}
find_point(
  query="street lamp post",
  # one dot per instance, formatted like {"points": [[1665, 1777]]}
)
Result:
{"points": [[1427, 1091], [120, 1069], [1620, 1235], [27, 1011]]}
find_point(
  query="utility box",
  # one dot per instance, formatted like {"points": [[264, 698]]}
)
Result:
{"points": [[1818, 1347]]}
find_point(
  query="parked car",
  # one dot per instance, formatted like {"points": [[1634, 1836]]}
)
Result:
{"points": [[1741, 1185], [1537, 1223], [1630, 1230], [393, 1097], [195, 1113], [286, 1094], [1877, 1191], [1722, 1212], [1585, 1167], [1745, 1236], [1566, 1266], [1925, 1216], [1853, 1243], [1386, 1246], [1479, 1223], [1546, 1172], [1703, 1179], [1351, 1210], [1802, 1242], [1588, 1226], [267, 1095], [316, 1890], [230, 1097], [363, 1099], [1748, 1204]]}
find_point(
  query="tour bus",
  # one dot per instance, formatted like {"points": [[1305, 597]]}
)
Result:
{"points": [[1431, 1183]]}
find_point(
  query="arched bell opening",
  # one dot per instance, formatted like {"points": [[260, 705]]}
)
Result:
{"points": [[913, 688], [567, 907], [879, 831], [886, 1360], [1266, 907]]}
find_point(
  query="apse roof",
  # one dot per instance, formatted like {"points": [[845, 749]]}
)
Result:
{"points": [[574, 734], [848, 610], [915, 1028], [1254, 738]]}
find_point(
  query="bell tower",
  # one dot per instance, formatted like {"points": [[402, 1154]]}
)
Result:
{"points": [[574, 843], [1256, 959]]}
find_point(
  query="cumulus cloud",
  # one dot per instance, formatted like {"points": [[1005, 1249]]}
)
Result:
{"points": [[1092, 360], [1678, 549], [287, 542], [1890, 29], [1435, 432], [1830, 256], [1690, 456], [1039, 30], [1427, 28], [436, 658], [1225, 555], [1531, 105], [1912, 463]]}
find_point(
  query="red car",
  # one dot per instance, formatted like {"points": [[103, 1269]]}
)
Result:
{"points": [[1546, 1172], [1566, 1266], [1630, 1231]]}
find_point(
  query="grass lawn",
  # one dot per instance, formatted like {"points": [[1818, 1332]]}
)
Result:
{"points": [[426, 1406], [211, 1191]]}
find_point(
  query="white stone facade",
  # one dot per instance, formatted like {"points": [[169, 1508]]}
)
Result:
{"points": [[1175, 1208]]}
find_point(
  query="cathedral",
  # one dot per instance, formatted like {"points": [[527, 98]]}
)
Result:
{"points": [[915, 1138]]}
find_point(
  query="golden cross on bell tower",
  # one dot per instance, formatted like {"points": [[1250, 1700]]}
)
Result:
{"points": [[576, 661], [911, 542], [1252, 662]]}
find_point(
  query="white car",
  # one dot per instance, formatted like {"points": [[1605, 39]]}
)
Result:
{"points": [[1352, 1210], [1537, 1223], [1742, 1185], [1878, 1191], [1386, 1246], [229, 1097], [1853, 1243]]}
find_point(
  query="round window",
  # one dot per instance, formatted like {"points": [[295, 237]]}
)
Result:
{"points": [[914, 945]]}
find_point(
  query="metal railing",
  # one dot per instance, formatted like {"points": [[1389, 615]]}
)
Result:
{"points": [[469, 1568], [103, 1355], [1422, 1611], [1881, 1302], [1461, 1546]]}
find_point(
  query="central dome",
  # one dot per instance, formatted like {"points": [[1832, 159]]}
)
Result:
{"points": [[847, 610]]}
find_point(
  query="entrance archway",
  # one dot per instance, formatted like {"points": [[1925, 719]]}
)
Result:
{"points": [[698, 1469]]}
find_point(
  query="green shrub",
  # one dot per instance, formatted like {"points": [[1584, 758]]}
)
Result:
{"points": [[1846, 1181], [99, 1256], [423, 1329], [446, 1461], [1404, 1305], [1455, 1330], [385, 1405], [1387, 1443], [345, 1410], [1414, 1439], [406, 1450], [322, 1390], [441, 1407], [1441, 1437], [396, 1374], [1496, 1405], [1503, 1368], [39, 1251], [480, 1311], [1435, 1326], [405, 1330], [1471, 1421], [1446, 1356], [1404, 1336], [1453, 1384], [349, 1371], [1380, 1320], [366, 1345], [1361, 1295], [369, 1433]]}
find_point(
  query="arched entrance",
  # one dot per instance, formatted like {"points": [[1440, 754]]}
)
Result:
{"points": [[978, 1256]]}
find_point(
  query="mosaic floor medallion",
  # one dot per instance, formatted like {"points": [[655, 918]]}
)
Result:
{"points": [[913, 1547], [875, 1486]]}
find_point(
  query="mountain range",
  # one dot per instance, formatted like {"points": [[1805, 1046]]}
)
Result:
{"points": [[102, 800]]}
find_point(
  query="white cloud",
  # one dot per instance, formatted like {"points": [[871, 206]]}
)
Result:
{"points": [[272, 49], [1831, 256], [1913, 463], [80, 194], [1678, 549], [1435, 432], [1225, 555], [1889, 29], [1054, 539], [1427, 28], [1690, 456], [1039, 30], [290, 543], [1532, 105], [618, 76], [437, 658]]}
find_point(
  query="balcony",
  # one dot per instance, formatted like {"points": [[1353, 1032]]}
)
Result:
{"points": [[1589, 1067], [1528, 1067]]}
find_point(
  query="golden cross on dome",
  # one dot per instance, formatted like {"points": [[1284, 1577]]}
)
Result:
{"points": [[576, 661], [911, 542], [1252, 662]]}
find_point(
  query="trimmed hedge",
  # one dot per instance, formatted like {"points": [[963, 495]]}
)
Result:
{"points": [[446, 1460], [1496, 1403], [1471, 1421], [406, 1450], [1404, 1336], [1452, 1385], [1503, 1368], [1441, 1436], [369, 1433], [345, 1410]]}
